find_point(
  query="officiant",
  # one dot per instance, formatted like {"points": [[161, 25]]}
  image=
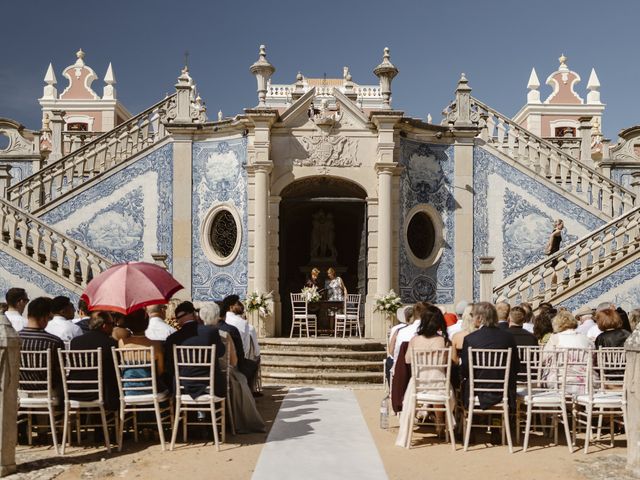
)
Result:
{"points": [[313, 281]]}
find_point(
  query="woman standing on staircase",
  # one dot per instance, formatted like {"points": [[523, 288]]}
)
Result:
{"points": [[553, 245]]}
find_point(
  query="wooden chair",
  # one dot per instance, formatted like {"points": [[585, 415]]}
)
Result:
{"points": [[499, 361], [302, 317], [88, 363], [202, 358], [432, 393], [349, 319], [139, 392], [36, 395], [605, 392], [545, 392]]}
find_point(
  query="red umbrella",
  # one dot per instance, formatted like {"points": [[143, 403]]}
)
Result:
{"points": [[127, 287]]}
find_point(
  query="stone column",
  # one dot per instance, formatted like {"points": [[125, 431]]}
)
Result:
{"points": [[585, 140], [5, 179], [182, 198], [464, 127], [57, 125], [9, 368], [261, 226], [486, 279], [385, 172], [632, 386]]}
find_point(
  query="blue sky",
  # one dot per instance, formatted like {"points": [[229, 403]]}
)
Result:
{"points": [[495, 42]]}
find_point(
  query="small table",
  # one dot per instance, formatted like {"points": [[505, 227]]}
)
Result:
{"points": [[325, 311]]}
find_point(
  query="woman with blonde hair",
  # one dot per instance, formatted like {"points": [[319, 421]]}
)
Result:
{"points": [[336, 291], [565, 334]]}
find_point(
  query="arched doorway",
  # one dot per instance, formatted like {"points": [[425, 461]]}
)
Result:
{"points": [[323, 223]]}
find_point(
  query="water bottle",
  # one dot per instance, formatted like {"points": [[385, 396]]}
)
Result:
{"points": [[384, 413]]}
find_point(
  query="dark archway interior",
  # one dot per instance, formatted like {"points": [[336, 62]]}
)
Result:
{"points": [[345, 201]]}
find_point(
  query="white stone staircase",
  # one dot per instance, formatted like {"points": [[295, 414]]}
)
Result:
{"points": [[64, 176], [46, 250], [580, 264], [543, 159]]}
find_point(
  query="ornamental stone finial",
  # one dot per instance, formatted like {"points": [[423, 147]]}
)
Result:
{"points": [[386, 72], [563, 63], [80, 58], [593, 85], [533, 85], [262, 70]]}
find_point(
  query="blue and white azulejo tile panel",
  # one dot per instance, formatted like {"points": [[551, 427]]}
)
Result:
{"points": [[127, 216], [14, 273], [514, 214], [427, 179], [219, 177], [620, 287], [623, 176]]}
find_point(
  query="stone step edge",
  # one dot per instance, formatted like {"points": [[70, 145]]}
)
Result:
{"points": [[321, 353], [324, 376], [268, 363], [312, 341]]}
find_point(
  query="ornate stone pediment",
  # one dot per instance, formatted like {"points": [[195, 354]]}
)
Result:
{"points": [[326, 151], [18, 144], [628, 148]]}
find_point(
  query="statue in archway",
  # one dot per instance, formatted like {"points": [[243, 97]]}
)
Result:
{"points": [[323, 236]]}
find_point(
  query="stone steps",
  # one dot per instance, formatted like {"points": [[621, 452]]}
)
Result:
{"points": [[321, 361]]}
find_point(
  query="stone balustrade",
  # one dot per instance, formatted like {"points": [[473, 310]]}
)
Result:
{"points": [[286, 91], [578, 262], [72, 141], [546, 159], [96, 157], [54, 251]]}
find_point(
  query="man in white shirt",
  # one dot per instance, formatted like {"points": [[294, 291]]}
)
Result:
{"points": [[456, 327], [61, 324], [407, 333], [17, 300], [234, 310], [585, 318], [158, 328]]}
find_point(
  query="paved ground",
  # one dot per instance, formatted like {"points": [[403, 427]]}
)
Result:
{"points": [[324, 433]]}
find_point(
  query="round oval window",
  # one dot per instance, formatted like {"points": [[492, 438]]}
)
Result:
{"points": [[421, 235], [223, 233]]}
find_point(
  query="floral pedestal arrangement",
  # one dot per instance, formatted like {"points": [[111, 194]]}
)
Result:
{"points": [[259, 307], [388, 306]]}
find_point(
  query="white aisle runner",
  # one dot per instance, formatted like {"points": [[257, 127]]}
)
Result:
{"points": [[319, 433]]}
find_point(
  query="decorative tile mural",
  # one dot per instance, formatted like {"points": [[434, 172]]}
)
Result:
{"points": [[514, 214], [620, 287], [14, 273], [127, 216], [623, 176], [427, 179], [219, 177], [19, 170]]}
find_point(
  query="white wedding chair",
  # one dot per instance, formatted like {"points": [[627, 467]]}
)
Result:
{"points": [[349, 319], [139, 391], [498, 361], [302, 317], [605, 392], [202, 358], [88, 365], [545, 392], [36, 395], [432, 392]]}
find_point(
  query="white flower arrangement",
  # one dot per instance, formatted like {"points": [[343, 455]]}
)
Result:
{"points": [[310, 294], [389, 303], [259, 302]]}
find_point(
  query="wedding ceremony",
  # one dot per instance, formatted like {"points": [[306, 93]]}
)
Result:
{"points": [[371, 253]]}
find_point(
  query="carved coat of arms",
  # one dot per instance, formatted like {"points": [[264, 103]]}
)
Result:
{"points": [[328, 151]]}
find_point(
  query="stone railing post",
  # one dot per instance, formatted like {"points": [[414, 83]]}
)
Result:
{"points": [[57, 124], [9, 368], [585, 140], [5, 179], [632, 392], [486, 278]]}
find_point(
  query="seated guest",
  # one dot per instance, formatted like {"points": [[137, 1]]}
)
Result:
{"points": [[247, 367], [61, 324], [98, 336], [245, 414], [565, 334], [613, 335], [402, 314], [516, 320], [493, 337], [584, 316], [158, 328], [34, 337], [137, 322], [233, 309], [594, 331], [313, 281], [83, 316], [528, 319], [17, 300], [190, 334], [460, 308], [427, 338], [405, 334], [634, 318], [503, 309], [468, 326], [120, 330], [542, 328]]}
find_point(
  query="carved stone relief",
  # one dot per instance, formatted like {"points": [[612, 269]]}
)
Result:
{"points": [[18, 145], [324, 151]]}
